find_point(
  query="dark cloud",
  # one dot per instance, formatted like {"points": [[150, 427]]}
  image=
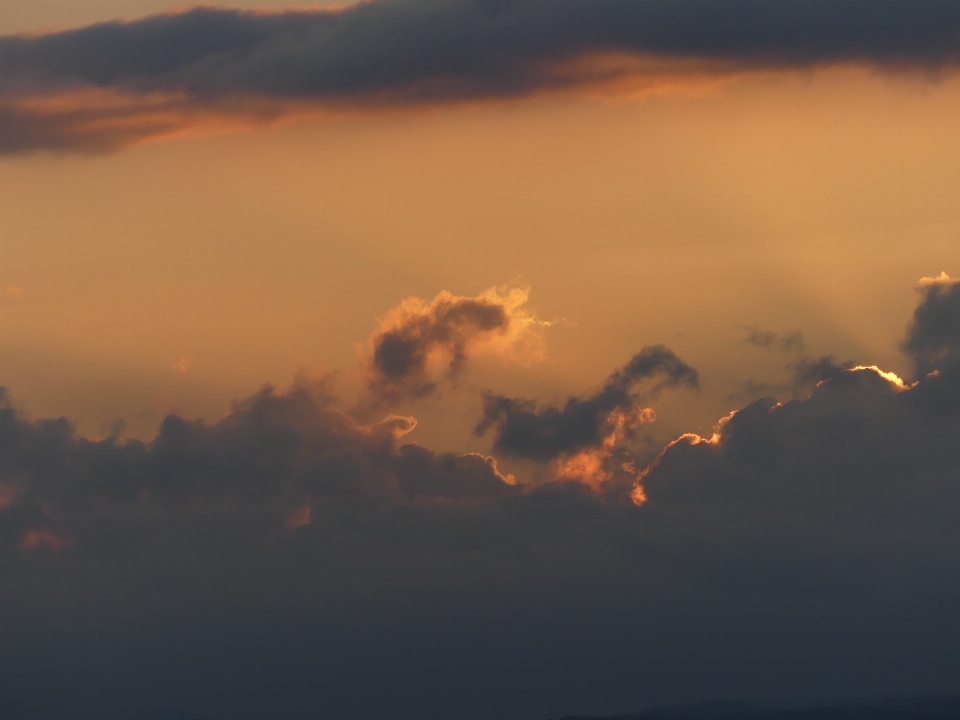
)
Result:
{"points": [[920, 708], [273, 454], [286, 561], [418, 343], [422, 473], [847, 446], [933, 338], [522, 429], [808, 372], [236, 64]]}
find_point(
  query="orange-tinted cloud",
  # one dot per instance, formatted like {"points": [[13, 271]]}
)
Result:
{"points": [[419, 344], [299, 517], [545, 433], [34, 539], [594, 466]]}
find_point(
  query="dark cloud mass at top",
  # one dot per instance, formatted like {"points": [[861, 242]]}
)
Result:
{"points": [[287, 561], [181, 68]]}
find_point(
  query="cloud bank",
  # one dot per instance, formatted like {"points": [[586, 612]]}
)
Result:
{"points": [[289, 561], [105, 86]]}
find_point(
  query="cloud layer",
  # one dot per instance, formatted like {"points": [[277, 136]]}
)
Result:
{"points": [[108, 85], [277, 452], [289, 561]]}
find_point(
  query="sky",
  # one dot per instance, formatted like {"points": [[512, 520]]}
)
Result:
{"points": [[494, 358]]}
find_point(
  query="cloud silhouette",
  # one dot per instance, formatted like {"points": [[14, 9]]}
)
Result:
{"points": [[854, 440], [524, 430], [287, 560], [274, 452], [933, 338], [420, 343], [109, 85]]}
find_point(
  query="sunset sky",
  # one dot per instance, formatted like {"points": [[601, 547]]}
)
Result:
{"points": [[498, 358]]}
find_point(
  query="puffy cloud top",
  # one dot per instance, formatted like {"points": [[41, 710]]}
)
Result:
{"points": [[933, 338]]}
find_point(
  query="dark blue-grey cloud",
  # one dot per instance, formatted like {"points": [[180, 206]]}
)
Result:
{"points": [[933, 338], [522, 429], [286, 561], [241, 64], [274, 453]]}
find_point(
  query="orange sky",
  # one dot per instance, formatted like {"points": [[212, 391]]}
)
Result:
{"points": [[181, 274]]}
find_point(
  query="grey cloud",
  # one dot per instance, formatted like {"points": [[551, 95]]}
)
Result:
{"points": [[525, 430], [429, 50], [933, 338], [808, 551], [422, 473], [271, 454], [848, 447], [810, 371]]}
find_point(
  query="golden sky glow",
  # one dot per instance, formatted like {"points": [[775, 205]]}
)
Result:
{"points": [[183, 273]]}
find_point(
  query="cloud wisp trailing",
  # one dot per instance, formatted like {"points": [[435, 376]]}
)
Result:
{"points": [[106, 86], [814, 541]]}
